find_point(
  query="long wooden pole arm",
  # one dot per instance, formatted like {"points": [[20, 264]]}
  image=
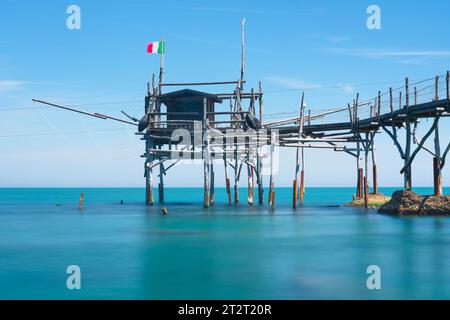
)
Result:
{"points": [[95, 115]]}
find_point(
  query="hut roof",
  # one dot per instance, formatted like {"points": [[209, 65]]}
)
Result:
{"points": [[188, 94]]}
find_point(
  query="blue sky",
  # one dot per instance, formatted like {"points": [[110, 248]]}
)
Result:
{"points": [[291, 45]]}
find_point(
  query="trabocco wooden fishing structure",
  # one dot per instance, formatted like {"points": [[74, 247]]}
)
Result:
{"points": [[187, 124]]}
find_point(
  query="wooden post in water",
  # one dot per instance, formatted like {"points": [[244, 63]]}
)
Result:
{"points": [[211, 197], [366, 171], [374, 170], [297, 162], [250, 184], [407, 174], [302, 178], [236, 174], [366, 193], [80, 204], [206, 200], [258, 158], [437, 162], [271, 182], [227, 179], [161, 182]]}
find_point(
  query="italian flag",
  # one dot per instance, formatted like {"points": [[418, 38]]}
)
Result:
{"points": [[156, 47]]}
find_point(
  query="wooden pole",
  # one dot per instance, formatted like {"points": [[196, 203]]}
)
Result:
{"points": [[161, 67], [261, 104], [259, 176], [302, 178], [415, 95], [161, 183], [242, 54], [227, 179], [80, 204], [437, 177], [366, 193], [447, 80], [149, 197], [206, 200], [250, 184], [407, 174], [360, 183], [374, 170], [366, 170], [436, 89], [211, 198], [236, 174], [271, 182], [297, 162], [437, 162]]}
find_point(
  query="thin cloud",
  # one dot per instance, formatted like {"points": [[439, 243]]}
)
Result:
{"points": [[292, 83], [400, 56], [7, 86], [298, 84]]}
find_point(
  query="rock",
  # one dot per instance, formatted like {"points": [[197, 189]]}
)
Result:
{"points": [[406, 202]]}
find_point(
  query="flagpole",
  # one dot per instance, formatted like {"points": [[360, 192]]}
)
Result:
{"points": [[161, 65]]}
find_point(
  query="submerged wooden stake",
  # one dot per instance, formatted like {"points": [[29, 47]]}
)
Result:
{"points": [[80, 205]]}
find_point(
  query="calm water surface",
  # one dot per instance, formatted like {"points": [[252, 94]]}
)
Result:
{"points": [[130, 251]]}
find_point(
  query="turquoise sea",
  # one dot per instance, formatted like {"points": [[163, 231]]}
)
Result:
{"points": [[132, 251]]}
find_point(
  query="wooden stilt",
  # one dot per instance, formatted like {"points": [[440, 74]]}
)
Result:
{"points": [[80, 204], [271, 182], [361, 182], [250, 184], [227, 179], [366, 193], [259, 178], [295, 193], [149, 197], [206, 200], [297, 157], [211, 197], [205, 183], [407, 174], [161, 183], [437, 162], [302, 186], [236, 178], [374, 171]]}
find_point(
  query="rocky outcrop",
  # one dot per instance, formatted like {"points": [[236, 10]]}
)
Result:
{"points": [[410, 203]]}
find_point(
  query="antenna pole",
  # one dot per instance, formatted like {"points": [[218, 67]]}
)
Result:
{"points": [[242, 54]]}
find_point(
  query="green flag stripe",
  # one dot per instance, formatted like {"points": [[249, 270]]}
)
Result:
{"points": [[161, 47]]}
